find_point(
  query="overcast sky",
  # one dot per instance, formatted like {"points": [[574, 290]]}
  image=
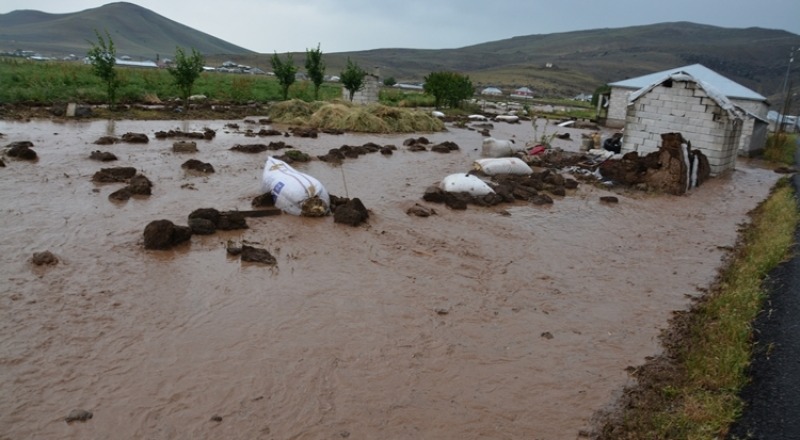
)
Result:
{"points": [[268, 26]]}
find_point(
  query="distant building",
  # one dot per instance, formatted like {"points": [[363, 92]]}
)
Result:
{"points": [[523, 93]]}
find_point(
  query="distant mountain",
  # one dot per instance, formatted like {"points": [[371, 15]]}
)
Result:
{"points": [[135, 31], [559, 64]]}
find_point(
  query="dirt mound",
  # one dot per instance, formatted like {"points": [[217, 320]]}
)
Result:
{"points": [[674, 169]]}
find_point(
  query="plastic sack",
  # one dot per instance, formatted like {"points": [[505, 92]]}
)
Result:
{"points": [[467, 183], [492, 147], [502, 165], [294, 192]]}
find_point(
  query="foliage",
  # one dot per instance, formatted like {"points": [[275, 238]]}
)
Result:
{"points": [[448, 88], [285, 72], [103, 57], [403, 98], [47, 82], [390, 81], [598, 92], [352, 77], [315, 68], [186, 71], [781, 147]]}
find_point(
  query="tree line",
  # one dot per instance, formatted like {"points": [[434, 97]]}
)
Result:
{"points": [[447, 88]]}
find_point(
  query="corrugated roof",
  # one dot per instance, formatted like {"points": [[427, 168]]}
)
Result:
{"points": [[727, 87], [733, 110]]}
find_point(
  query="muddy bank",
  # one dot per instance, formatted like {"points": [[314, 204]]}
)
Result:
{"points": [[510, 321]]}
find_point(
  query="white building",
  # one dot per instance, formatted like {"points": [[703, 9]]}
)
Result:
{"points": [[754, 128]]}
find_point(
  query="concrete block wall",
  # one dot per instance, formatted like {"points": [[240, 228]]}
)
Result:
{"points": [[617, 107], [685, 109]]}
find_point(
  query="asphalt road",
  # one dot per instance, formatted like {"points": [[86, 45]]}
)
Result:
{"points": [[772, 397]]}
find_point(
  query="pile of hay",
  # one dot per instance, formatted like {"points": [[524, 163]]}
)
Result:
{"points": [[341, 115]]}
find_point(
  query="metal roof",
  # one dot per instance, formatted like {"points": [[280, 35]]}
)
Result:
{"points": [[727, 87]]}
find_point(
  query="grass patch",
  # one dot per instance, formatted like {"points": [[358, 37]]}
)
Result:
{"points": [[45, 83], [781, 147], [692, 391]]}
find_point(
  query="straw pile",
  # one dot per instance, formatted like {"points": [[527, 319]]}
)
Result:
{"points": [[341, 115]]}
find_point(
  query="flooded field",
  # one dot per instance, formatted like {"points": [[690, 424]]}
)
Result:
{"points": [[516, 321]]}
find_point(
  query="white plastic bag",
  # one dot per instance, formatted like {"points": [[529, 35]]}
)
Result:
{"points": [[291, 189], [467, 183], [502, 165]]}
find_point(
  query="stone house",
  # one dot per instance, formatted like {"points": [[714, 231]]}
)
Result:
{"points": [[754, 126], [682, 103]]}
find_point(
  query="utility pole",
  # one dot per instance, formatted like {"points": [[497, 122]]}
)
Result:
{"points": [[786, 90]]}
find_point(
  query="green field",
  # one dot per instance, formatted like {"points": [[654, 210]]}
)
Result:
{"points": [[49, 82]]}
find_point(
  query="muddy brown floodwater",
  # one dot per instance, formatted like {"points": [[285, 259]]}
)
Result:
{"points": [[463, 325]]}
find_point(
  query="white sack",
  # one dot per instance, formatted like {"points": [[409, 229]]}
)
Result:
{"points": [[492, 147], [507, 118], [291, 188], [467, 183], [502, 165]]}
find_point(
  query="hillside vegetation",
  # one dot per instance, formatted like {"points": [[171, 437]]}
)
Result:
{"points": [[559, 64]]}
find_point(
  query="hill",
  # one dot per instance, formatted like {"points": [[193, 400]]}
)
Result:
{"points": [[136, 32], [559, 64]]}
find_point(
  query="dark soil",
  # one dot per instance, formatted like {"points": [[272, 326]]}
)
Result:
{"points": [[21, 150], [102, 156], [163, 234], [199, 166]]}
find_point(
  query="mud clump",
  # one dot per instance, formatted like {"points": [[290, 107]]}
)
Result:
{"points": [[135, 138], [106, 140], [257, 255], [102, 156], [348, 211], [138, 185], [45, 258], [260, 148], [115, 174], [292, 156], [445, 147], [205, 221], [78, 415], [199, 166], [263, 201], [420, 211], [206, 134], [535, 188], [22, 150], [674, 168], [337, 155], [163, 234], [304, 132], [184, 147]]}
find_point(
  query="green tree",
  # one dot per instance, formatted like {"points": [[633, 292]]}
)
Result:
{"points": [[352, 77], [285, 72], [186, 71], [315, 68], [103, 57], [449, 88]]}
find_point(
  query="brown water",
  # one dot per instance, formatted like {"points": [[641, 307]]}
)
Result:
{"points": [[405, 328]]}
